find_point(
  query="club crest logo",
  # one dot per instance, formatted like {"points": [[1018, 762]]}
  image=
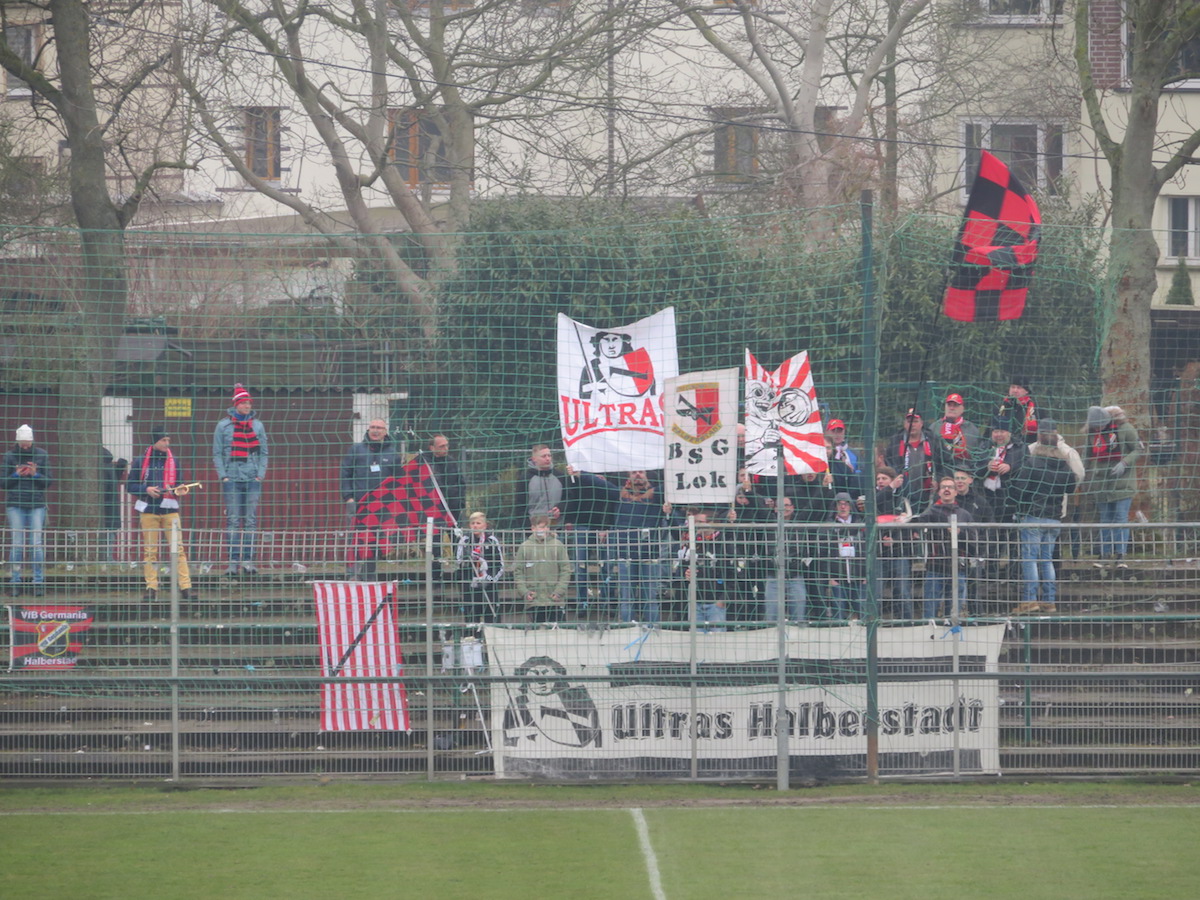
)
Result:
{"points": [[699, 405]]}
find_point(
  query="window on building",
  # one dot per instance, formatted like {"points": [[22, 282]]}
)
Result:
{"points": [[1032, 151], [263, 151], [23, 41], [1183, 226], [1185, 73], [736, 149], [1018, 10], [424, 7], [418, 145]]}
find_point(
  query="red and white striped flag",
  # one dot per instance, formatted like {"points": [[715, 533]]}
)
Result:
{"points": [[781, 410], [357, 626]]}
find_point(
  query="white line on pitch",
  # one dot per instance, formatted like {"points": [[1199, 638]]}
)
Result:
{"points": [[643, 833]]}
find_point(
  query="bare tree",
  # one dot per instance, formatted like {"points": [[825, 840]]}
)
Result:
{"points": [[94, 101], [1125, 117], [420, 87], [799, 58]]}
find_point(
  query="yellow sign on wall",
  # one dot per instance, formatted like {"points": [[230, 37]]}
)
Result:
{"points": [[177, 407]]}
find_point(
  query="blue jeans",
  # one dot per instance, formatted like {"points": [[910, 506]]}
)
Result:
{"points": [[845, 598], [1114, 541], [897, 571], [27, 526], [639, 583], [710, 617], [581, 544], [795, 594], [241, 516], [1037, 558], [937, 589]]}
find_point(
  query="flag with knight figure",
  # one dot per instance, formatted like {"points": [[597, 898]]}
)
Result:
{"points": [[610, 391], [701, 432], [781, 411]]}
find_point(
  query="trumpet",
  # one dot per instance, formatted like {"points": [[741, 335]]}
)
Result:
{"points": [[182, 490]]}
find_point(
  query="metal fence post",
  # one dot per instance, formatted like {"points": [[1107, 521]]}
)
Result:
{"points": [[174, 542], [430, 732]]}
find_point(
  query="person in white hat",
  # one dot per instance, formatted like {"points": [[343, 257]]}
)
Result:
{"points": [[26, 479]]}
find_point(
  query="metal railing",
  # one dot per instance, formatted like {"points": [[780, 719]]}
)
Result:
{"points": [[229, 683]]}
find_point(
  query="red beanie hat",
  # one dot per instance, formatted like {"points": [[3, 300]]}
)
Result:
{"points": [[240, 394]]}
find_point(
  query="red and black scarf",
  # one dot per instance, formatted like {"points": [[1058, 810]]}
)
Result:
{"points": [[1105, 445], [245, 441], [906, 447]]}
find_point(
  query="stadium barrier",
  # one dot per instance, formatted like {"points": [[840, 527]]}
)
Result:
{"points": [[240, 681]]}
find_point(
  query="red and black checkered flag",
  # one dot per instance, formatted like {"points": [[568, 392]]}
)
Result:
{"points": [[997, 245], [395, 512]]}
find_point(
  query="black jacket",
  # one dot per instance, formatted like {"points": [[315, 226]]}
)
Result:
{"points": [[357, 475]]}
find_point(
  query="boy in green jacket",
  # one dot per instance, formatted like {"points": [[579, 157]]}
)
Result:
{"points": [[542, 573]]}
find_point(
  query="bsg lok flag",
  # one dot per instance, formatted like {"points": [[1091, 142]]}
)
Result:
{"points": [[610, 391], [701, 437], [781, 411]]}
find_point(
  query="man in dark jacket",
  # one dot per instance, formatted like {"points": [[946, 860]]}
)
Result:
{"points": [[448, 474], [364, 467], [26, 479], [940, 562], [1037, 494], [919, 460]]}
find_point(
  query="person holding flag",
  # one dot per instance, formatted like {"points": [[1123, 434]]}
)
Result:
{"points": [[156, 483]]}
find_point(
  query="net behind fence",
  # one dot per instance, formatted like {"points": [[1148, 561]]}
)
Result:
{"points": [[561, 458]]}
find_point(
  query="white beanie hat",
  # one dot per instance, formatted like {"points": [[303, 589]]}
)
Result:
{"points": [[24, 433]]}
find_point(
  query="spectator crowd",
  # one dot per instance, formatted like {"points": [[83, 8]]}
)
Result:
{"points": [[610, 546]]}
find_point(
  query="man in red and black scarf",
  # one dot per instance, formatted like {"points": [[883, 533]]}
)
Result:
{"points": [[918, 458], [960, 436], [153, 480], [240, 457]]}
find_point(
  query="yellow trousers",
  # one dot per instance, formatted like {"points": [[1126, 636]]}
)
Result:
{"points": [[154, 526]]}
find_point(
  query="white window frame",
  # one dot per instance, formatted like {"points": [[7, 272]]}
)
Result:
{"points": [[1047, 131], [991, 12], [1187, 231], [14, 86]]}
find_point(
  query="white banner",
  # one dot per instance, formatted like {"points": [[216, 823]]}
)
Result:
{"points": [[781, 411], [610, 391], [638, 715], [701, 434]]}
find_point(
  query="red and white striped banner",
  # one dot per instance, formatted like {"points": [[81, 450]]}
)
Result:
{"points": [[782, 411], [357, 626]]}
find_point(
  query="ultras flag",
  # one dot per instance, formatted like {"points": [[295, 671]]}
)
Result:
{"points": [[992, 263]]}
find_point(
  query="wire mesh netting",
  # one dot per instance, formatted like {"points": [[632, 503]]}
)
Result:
{"points": [[273, 511]]}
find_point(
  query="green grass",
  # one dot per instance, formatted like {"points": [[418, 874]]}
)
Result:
{"points": [[485, 841]]}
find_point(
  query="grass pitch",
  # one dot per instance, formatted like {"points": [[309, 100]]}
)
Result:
{"points": [[521, 841]]}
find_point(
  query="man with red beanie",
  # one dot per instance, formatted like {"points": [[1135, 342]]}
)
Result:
{"points": [[240, 457]]}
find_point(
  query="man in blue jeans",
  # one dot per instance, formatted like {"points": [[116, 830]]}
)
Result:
{"points": [[26, 479], [1037, 492], [240, 457]]}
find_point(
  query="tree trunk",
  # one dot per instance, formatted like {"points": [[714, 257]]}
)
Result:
{"points": [[101, 285]]}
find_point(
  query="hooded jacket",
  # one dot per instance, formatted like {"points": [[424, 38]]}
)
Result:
{"points": [[253, 466]]}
